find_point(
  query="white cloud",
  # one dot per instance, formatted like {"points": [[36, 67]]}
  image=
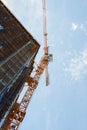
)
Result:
{"points": [[77, 66], [82, 27], [74, 26]]}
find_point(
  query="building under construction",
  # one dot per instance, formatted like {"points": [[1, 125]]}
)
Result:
{"points": [[17, 53]]}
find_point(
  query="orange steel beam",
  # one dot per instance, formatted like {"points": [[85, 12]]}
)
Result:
{"points": [[18, 111]]}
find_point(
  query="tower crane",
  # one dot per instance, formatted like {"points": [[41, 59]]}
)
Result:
{"points": [[18, 111], [45, 39]]}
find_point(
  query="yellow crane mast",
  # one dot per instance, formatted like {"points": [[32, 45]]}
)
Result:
{"points": [[17, 113]]}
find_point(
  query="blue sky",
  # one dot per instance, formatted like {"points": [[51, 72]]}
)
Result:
{"points": [[62, 105]]}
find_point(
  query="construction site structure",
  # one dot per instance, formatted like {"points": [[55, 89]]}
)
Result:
{"points": [[16, 114], [18, 49]]}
